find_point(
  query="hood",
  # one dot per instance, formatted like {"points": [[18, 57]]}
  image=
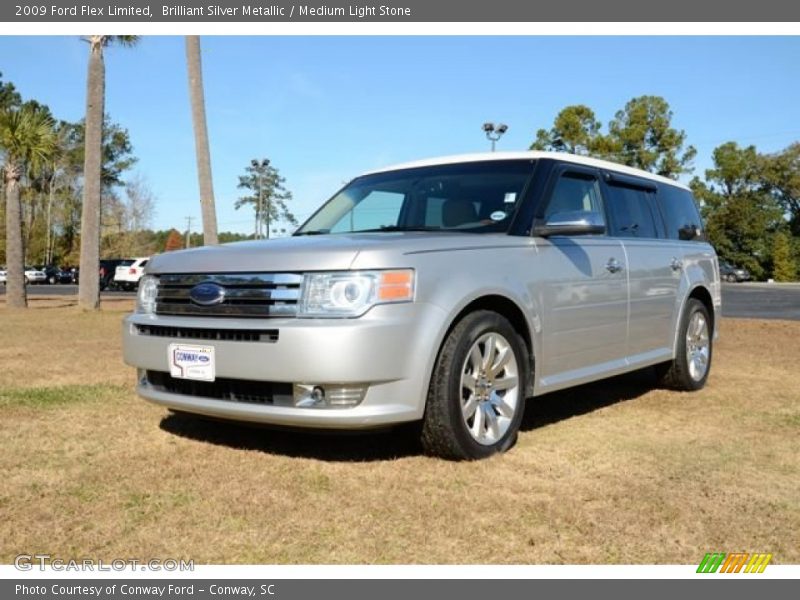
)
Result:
{"points": [[321, 252]]}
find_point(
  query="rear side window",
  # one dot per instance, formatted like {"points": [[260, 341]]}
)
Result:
{"points": [[680, 214], [631, 212]]}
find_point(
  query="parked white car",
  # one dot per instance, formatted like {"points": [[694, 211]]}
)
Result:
{"points": [[35, 275], [3, 275], [127, 276]]}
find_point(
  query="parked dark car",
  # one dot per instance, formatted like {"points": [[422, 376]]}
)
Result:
{"points": [[55, 274], [733, 274], [108, 267]]}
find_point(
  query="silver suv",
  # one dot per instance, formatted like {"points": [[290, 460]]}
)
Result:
{"points": [[444, 292]]}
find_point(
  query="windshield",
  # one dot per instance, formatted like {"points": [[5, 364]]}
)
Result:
{"points": [[479, 197]]}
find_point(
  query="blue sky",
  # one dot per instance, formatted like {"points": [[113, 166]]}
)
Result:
{"points": [[324, 109]]}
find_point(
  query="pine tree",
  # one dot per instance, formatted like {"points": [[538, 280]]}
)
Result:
{"points": [[783, 265]]}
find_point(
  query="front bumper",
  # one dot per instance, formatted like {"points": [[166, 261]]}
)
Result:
{"points": [[391, 349]]}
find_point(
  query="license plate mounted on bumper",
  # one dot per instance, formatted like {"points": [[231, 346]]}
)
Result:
{"points": [[191, 362]]}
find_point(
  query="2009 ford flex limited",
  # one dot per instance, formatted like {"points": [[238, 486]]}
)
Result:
{"points": [[446, 292]]}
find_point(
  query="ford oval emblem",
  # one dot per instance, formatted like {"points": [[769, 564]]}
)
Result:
{"points": [[207, 294]]}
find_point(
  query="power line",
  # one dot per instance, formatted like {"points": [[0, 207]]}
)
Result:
{"points": [[748, 138]]}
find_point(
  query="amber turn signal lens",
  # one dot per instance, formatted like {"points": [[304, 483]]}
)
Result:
{"points": [[396, 286]]}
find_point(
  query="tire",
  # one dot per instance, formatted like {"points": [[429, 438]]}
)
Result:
{"points": [[448, 429], [682, 373], [730, 278]]}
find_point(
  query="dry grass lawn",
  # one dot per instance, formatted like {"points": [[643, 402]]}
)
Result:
{"points": [[615, 472]]}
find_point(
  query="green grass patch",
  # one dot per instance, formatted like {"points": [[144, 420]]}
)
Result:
{"points": [[48, 397]]}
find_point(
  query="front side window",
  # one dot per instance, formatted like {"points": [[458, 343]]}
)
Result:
{"points": [[479, 197], [574, 192], [631, 212]]}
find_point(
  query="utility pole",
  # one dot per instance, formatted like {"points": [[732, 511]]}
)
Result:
{"points": [[189, 231]]}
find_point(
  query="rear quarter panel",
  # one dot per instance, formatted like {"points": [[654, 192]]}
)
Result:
{"points": [[700, 269]]}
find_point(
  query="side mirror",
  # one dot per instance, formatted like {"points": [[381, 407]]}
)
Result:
{"points": [[578, 222]]}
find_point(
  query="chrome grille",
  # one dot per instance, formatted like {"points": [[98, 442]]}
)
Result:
{"points": [[256, 295]]}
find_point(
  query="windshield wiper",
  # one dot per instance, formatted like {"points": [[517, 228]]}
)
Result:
{"points": [[399, 228], [313, 232]]}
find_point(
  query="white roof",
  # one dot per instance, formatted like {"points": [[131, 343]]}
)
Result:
{"points": [[530, 155]]}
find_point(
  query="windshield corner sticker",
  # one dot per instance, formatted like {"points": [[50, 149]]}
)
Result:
{"points": [[191, 362]]}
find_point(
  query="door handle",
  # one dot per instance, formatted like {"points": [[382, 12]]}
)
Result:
{"points": [[613, 265], [676, 264]]}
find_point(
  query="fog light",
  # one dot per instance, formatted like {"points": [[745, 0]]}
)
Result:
{"points": [[328, 396], [309, 396]]}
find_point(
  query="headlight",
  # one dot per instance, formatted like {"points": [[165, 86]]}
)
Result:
{"points": [[146, 298], [352, 293]]}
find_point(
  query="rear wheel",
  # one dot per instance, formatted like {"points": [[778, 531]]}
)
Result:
{"points": [[730, 278], [476, 396], [689, 370]]}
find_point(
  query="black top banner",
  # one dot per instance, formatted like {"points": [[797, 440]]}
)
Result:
{"points": [[411, 11]]}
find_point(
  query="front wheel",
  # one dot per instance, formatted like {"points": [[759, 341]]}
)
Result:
{"points": [[689, 370], [477, 392]]}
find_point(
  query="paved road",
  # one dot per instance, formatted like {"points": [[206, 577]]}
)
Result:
{"points": [[761, 300], [748, 300], [65, 290]]}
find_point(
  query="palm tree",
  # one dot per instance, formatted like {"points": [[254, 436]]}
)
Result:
{"points": [[27, 141], [201, 139], [89, 290]]}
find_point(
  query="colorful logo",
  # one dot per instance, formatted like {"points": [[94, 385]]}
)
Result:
{"points": [[734, 563]]}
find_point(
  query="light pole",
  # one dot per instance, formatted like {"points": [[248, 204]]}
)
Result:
{"points": [[259, 166], [494, 132]]}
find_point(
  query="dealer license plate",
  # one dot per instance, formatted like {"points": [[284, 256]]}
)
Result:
{"points": [[191, 362]]}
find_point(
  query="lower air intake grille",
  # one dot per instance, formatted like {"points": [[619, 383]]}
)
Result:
{"points": [[196, 333], [231, 390]]}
